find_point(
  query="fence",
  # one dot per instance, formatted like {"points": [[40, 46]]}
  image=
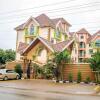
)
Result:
{"points": [[75, 68], [69, 68]]}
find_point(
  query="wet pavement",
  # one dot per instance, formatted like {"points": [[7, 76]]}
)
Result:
{"points": [[43, 90]]}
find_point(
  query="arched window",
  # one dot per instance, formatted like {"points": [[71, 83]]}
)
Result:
{"points": [[31, 29]]}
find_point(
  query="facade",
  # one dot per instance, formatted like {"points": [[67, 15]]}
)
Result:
{"points": [[39, 37]]}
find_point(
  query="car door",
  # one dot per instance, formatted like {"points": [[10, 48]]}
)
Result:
{"points": [[11, 74], [8, 74]]}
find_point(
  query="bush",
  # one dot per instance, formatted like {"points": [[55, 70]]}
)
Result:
{"points": [[87, 79], [18, 70], [70, 77], [79, 77]]}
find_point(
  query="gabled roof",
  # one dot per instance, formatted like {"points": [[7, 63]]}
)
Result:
{"points": [[71, 34], [21, 47], [44, 21], [93, 36], [34, 42], [82, 31], [56, 20], [20, 27], [53, 47]]}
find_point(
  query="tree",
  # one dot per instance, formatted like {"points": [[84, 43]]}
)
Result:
{"points": [[18, 69], [10, 55], [60, 58], [79, 77], [95, 64], [6, 55], [2, 56], [48, 69]]}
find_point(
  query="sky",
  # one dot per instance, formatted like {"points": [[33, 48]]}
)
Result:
{"points": [[79, 13]]}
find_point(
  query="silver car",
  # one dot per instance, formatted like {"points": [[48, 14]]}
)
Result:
{"points": [[6, 74]]}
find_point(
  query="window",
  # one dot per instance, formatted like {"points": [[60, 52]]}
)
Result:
{"points": [[82, 37], [90, 51], [80, 60], [58, 32], [82, 45], [31, 29], [82, 53], [26, 31], [89, 44], [97, 43], [52, 40], [10, 71]]}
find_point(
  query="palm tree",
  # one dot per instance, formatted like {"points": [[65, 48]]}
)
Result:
{"points": [[60, 58], [95, 65]]}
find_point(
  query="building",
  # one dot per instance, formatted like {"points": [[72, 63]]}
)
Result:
{"points": [[39, 37]]}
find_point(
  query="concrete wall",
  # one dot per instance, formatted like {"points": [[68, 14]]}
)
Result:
{"points": [[75, 68], [11, 65]]}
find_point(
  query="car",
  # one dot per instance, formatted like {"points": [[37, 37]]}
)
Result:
{"points": [[6, 74]]}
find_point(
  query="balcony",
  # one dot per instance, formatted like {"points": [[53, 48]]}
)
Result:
{"points": [[30, 36]]}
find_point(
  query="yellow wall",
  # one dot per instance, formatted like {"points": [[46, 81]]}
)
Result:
{"points": [[34, 52]]}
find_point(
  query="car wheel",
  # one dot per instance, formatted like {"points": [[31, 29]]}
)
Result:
{"points": [[5, 78], [17, 77]]}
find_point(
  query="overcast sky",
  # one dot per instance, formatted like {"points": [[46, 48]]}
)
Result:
{"points": [[79, 13]]}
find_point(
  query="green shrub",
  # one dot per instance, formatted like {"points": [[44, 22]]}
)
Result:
{"points": [[79, 77], [70, 77], [18, 70], [87, 79]]}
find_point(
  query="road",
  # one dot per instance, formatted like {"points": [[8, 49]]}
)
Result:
{"points": [[7, 93]]}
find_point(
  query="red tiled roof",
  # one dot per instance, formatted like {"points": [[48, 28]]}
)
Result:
{"points": [[21, 47]]}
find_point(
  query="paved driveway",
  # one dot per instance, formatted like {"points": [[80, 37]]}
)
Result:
{"points": [[49, 86], [44, 90]]}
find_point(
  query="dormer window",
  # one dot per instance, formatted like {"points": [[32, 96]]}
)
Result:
{"points": [[31, 29]]}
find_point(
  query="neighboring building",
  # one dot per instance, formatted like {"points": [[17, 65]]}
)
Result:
{"points": [[85, 44], [39, 37]]}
